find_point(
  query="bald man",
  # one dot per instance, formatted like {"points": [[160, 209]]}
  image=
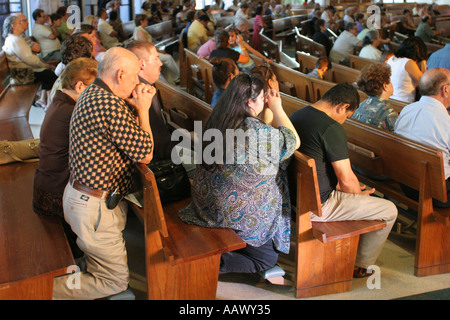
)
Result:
{"points": [[106, 140], [427, 121]]}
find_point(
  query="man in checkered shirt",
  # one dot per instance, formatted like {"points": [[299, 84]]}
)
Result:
{"points": [[109, 132]]}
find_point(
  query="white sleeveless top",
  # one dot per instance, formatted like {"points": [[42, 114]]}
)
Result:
{"points": [[404, 89]]}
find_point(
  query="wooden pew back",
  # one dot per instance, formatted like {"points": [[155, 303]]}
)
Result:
{"points": [[304, 44], [199, 75], [417, 166], [182, 260], [322, 267], [269, 48]]}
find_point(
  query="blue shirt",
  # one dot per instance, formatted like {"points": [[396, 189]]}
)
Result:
{"points": [[440, 58], [216, 96]]}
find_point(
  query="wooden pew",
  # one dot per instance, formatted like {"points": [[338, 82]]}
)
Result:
{"points": [[182, 260], [305, 44], [33, 248], [199, 75], [163, 35], [15, 105], [269, 48], [193, 107], [325, 252], [359, 63], [283, 30], [417, 166]]}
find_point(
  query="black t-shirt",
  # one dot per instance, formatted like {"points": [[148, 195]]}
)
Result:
{"points": [[225, 53], [324, 140]]}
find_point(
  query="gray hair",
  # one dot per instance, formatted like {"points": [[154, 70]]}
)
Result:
{"points": [[8, 25], [370, 37]]}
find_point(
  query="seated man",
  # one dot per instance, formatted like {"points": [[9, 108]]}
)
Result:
{"points": [[407, 25], [323, 138], [424, 30], [322, 66], [46, 36], [345, 45], [427, 121], [440, 58], [108, 36]]}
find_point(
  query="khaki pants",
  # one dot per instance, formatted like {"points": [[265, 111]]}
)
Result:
{"points": [[99, 236], [342, 206]]}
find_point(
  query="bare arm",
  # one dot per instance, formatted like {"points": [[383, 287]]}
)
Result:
{"points": [[347, 180]]}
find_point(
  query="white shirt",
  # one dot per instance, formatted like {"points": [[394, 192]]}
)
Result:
{"points": [[343, 46], [427, 121], [19, 54], [370, 52], [41, 33], [105, 29]]}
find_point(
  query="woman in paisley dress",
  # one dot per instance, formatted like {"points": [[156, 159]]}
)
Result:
{"points": [[245, 189]]}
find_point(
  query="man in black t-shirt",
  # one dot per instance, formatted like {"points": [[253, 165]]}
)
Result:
{"points": [[323, 138]]}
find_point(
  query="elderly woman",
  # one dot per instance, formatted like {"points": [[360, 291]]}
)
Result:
{"points": [[407, 67], [370, 45], [245, 186], [25, 66], [376, 110], [170, 70]]}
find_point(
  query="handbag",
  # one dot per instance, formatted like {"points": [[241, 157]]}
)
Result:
{"points": [[23, 151], [21, 76], [172, 180]]}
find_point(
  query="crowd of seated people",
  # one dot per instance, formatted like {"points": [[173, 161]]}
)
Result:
{"points": [[253, 198]]}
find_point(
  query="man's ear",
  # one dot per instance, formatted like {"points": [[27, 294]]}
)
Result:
{"points": [[119, 75], [342, 107]]}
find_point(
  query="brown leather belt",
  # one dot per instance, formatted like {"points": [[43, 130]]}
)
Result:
{"points": [[103, 195]]}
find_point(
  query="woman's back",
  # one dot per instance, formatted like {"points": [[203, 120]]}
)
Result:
{"points": [[402, 82]]}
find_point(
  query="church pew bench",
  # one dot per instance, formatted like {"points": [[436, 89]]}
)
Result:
{"points": [[182, 260], [359, 63], [325, 252], [34, 248], [15, 105], [163, 35], [418, 166], [283, 30], [305, 44], [199, 74], [269, 48]]}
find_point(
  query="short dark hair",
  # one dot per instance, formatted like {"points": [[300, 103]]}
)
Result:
{"points": [[55, 16], [139, 18], [318, 24], [342, 93], [37, 13]]}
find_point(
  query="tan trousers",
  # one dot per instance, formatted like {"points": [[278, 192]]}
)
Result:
{"points": [[99, 236], [341, 206]]}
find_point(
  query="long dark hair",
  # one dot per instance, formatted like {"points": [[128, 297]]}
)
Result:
{"points": [[232, 108]]}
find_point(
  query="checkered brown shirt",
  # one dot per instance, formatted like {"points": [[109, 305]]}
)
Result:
{"points": [[105, 140]]}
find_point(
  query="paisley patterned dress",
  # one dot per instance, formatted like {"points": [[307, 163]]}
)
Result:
{"points": [[250, 197]]}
